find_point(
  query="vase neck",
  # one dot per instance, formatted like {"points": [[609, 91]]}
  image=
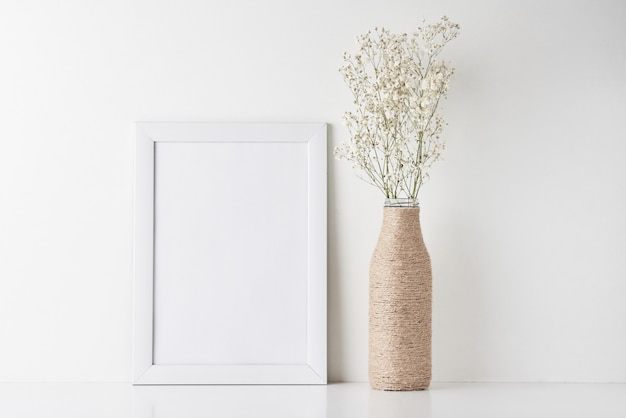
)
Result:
{"points": [[401, 203], [401, 225]]}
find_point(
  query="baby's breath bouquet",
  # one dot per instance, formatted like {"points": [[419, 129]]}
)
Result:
{"points": [[398, 81]]}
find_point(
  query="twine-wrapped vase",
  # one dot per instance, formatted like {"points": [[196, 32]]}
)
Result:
{"points": [[400, 310]]}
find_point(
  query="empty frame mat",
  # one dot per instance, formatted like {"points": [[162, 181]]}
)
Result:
{"points": [[238, 252], [230, 253]]}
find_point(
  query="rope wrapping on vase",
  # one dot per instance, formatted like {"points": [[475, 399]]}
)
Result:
{"points": [[400, 309]]}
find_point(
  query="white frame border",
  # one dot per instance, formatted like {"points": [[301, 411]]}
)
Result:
{"points": [[144, 371]]}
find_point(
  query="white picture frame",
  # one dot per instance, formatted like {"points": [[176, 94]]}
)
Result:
{"points": [[172, 216]]}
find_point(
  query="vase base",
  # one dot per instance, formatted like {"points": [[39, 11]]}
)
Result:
{"points": [[399, 387]]}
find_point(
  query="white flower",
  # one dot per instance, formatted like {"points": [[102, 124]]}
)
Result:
{"points": [[397, 82]]}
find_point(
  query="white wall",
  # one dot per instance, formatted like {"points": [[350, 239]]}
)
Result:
{"points": [[524, 219]]}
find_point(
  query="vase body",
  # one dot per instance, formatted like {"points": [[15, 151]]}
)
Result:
{"points": [[400, 305]]}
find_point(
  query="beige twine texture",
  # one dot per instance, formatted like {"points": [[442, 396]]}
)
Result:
{"points": [[400, 311]]}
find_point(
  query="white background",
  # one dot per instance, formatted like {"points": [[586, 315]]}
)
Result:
{"points": [[524, 219]]}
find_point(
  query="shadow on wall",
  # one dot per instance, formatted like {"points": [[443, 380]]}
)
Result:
{"points": [[460, 299], [335, 326]]}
